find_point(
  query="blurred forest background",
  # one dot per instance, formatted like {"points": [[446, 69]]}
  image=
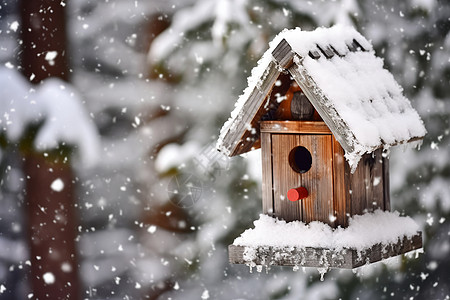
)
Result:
{"points": [[143, 89]]}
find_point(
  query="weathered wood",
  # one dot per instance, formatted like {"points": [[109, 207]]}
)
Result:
{"points": [[358, 45], [301, 108], [328, 113], [314, 54], [318, 206], [242, 138], [283, 54], [318, 180], [297, 127], [366, 184], [284, 177], [340, 53], [267, 180], [341, 186], [326, 51], [322, 257], [244, 133], [352, 47], [375, 181], [386, 184]]}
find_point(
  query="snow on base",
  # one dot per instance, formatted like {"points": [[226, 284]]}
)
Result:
{"points": [[363, 232]]}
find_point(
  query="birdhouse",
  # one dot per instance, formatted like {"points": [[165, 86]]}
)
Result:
{"points": [[324, 111]]}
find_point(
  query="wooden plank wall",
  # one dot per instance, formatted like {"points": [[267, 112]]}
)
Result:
{"points": [[284, 177], [318, 180], [386, 185], [341, 186], [267, 180], [367, 184]]}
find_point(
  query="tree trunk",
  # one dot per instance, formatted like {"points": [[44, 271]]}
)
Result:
{"points": [[43, 36], [52, 228], [51, 220]]}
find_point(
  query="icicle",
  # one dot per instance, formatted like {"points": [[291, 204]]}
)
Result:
{"points": [[322, 272]]}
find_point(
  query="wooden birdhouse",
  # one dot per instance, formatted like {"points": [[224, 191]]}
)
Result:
{"points": [[322, 109]]}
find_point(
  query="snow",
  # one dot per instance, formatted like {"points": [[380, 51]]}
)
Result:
{"points": [[205, 295], [253, 81], [358, 90], [57, 185], [221, 12], [363, 232], [14, 26], [66, 267], [49, 278], [173, 155], [367, 98], [50, 57], [151, 229], [55, 103]]}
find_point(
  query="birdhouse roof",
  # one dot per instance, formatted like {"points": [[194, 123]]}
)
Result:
{"points": [[344, 80]]}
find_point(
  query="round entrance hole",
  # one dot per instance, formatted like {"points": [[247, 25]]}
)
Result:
{"points": [[300, 159]]}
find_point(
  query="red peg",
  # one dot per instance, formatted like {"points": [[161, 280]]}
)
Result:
{"points": [[297, 193]]}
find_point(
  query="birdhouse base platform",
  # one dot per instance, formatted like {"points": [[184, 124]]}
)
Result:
{"points": [[320, 257]]}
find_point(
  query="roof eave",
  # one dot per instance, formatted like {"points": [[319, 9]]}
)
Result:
{"points": [[243, 132], [330, 116]]}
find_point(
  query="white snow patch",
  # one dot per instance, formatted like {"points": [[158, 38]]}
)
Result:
{"points": [[14, 26], [50, 56], [205, 295], [57, 185], [49, 278], [428, 5], [363, 232], [221, 12], [174, 155], [55, 103], [66, 267], [151, 229]]}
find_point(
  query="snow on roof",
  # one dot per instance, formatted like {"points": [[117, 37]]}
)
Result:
{"points": [[358, 99], [363, 232]]}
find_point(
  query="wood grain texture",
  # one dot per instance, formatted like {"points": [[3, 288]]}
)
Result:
{"points": [[386, 184], [318, 206], [322, 257], [284, 177], [318, 180], [301, 108], [329, 115], [240, 139], [341, 186], [375, 181], [267, 180], [367, 184], [297, 127], [283, 54]]}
